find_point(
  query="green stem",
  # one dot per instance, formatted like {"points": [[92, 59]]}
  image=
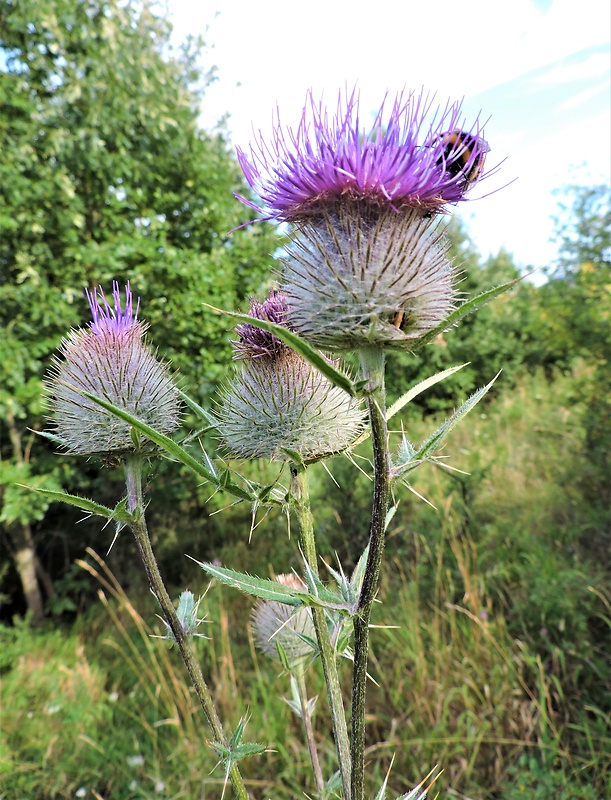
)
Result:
{"points": [[309, 730], [372, 364], [135, 504], [301, 504]]}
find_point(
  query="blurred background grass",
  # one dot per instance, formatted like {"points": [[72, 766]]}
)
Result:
{"points": [[495, 664]]}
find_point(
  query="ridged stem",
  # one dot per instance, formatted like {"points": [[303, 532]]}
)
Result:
{"points": [[372, 366], [135, 505], [309, 731], [300, 498]]}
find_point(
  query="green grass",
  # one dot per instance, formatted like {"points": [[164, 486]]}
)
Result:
{"points": [[496, 665]]}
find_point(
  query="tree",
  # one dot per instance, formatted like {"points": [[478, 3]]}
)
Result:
{"points": [[105, 174], [581, 291]]}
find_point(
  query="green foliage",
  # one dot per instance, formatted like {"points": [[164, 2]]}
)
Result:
{"points": [[529, 778], [105, 175]]}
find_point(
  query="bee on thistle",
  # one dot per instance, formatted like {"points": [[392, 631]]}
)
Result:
{"points": [[364, 203], [462, 154]]}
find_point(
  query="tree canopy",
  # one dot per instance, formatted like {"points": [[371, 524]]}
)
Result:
{"points": [[106, 175]]}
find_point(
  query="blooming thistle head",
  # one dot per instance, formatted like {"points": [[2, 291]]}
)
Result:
{"points": [[368, 261], [277, 625], [109, 359], [277, 403]]}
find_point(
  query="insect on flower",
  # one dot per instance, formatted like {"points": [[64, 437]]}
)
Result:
{"points": [[462, 154]]}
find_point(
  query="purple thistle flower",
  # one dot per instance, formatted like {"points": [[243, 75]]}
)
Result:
{"points": [[255, 342], [367, 263], [399, 161], [111, 360], [108, 320]]}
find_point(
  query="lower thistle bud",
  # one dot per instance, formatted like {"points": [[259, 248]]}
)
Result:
{"points": [[282, 629], [110, 360], [277, 403]]}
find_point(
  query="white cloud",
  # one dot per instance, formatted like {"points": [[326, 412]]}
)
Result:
{"points": [[594, 66]]}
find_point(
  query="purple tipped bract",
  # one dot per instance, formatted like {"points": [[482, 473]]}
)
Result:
{"points": [[254, 342], [111, 360], [399, 160], [109, 320]]}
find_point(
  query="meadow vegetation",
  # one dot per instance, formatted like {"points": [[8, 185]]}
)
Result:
{"points": [[491, 645]]}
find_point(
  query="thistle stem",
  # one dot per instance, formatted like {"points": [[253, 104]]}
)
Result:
{"points": [[135, 505], [372, 365], [309, 730], [301, 504]]}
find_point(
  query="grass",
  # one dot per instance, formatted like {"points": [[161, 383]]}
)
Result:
{"points": [[491, 658]]}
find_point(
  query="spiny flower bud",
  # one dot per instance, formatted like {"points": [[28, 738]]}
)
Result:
{"points": [[254, 342], [368, 262], [277, 403], [111, 360], [277, 624], [361, 275]]}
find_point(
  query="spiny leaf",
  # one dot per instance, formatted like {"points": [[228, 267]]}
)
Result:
{"points": [[436, 439], [466, 308], [428, 448], [297, 344], [273, 591], [173, 448], [199, 410], [258, 587], [90, 506], [419, 388]]}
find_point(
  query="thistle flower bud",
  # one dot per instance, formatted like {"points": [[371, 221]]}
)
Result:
{"points": [[277, 402], [361, 275], [368, 263], [111, 360], [277, 624]]}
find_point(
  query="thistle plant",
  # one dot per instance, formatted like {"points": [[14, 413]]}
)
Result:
{"points": [[366, 270]]}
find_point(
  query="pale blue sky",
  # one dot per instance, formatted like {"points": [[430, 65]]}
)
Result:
{"points": [[539, 68]]}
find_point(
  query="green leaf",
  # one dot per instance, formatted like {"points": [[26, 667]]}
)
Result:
{"points": [[200, 411], [356, 579], [258, 587], [419, 388], [428, 448], [82, 502], [299, 345], [275, 592], [174, 449], [466, 308], [237, 749], [319, 594]]}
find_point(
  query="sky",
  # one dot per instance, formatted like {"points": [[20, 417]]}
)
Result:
{"points": [[539, 69]]}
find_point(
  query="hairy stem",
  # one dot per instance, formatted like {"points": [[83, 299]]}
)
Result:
{"points": [[301, 504], [133, 473], [372, 364]]}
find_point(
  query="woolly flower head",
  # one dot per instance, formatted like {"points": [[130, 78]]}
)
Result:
{"points": [[279, 625], [277, 402], [411, 155], [368, 260], [111, 360]]}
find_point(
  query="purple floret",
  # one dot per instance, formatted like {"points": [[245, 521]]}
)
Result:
{"points": [[255, 342], [109, 320], [327, 159]]}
